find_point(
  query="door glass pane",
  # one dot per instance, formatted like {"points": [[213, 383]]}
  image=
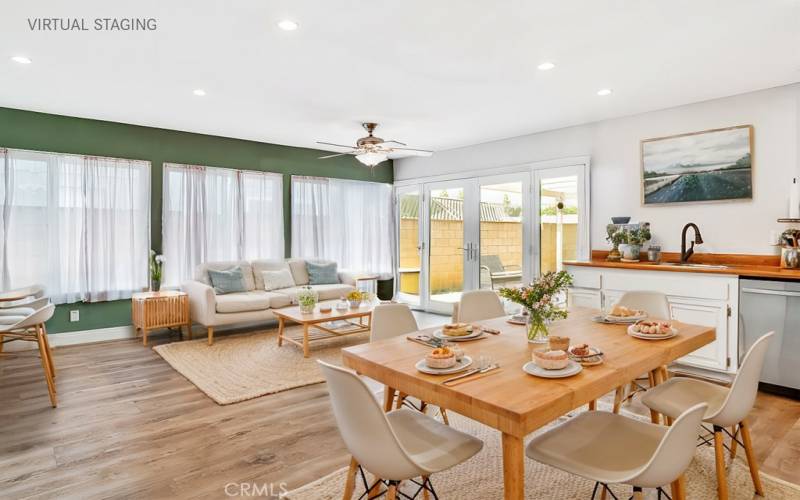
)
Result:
{"points": [[501, 235], [559, 221], [410, 265], [446, 242]]}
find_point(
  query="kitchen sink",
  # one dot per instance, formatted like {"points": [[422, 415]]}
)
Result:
{"points": [[696, 266]]}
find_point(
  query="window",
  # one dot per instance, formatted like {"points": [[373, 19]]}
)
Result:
{"points": [[350, 222], [219, 214], [80, 225]]}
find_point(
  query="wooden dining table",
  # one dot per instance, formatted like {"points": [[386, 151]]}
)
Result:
{"points": [[512, 401]]}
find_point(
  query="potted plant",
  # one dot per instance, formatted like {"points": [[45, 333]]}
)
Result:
{"points": [[615, 236], [307, 299], [635, 238], [354, 298], [156, 266], [538, 299]]}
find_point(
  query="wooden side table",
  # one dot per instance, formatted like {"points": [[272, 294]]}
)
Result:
{"points": [[151, 310]]}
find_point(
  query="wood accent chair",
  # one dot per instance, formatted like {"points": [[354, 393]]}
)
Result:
{"points": [[31, 328], [654, 456], [477, 305], [389, 321], [657, 306], [726, 408], [401, 445]]}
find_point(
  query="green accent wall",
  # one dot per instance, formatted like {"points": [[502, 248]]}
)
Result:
{"points": [[63, 134]]}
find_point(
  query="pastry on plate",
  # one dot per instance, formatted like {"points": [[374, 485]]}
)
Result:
{"points": [[652, 327], [551, 360], [457, 329], [441, 357], [623, 312], [580, 350]]}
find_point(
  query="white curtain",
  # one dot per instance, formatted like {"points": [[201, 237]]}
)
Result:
{"points": [[219, 214], [350, 222], [78, 224]]}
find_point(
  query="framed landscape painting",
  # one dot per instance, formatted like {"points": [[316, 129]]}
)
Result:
{"points": [[713, 165]]}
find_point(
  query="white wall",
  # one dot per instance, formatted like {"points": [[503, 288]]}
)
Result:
{"points": [[727, 227]]}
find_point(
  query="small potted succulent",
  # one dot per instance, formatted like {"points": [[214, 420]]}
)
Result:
{"points": [[615, 236], [307, 299], [354, 298]]}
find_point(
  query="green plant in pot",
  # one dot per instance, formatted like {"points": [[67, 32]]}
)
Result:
{"points": [[635, 238], [539, 298], [156, 268], [615, 236]]}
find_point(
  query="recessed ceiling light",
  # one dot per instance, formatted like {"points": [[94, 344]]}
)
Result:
{"points": [[547, 65], [603, 92], [21, 60], [199, 92], [288, 25]]}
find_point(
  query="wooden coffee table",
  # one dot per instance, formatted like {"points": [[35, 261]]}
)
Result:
{"points": [[316, 325]]}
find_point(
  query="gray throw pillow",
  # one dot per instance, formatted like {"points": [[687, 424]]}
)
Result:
{"points": [[227, 281], [320, 273]]}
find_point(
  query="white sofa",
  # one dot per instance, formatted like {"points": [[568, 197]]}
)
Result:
{"points": [[256, 304]]}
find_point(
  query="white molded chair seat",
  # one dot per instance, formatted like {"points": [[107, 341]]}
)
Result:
{"points": [[677, 394], [614, 449], [432, 445]]}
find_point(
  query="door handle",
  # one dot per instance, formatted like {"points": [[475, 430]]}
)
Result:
{"points": [[761, 291]]}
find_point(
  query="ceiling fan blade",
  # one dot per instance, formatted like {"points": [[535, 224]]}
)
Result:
{"points": [[414, 152], [333, 156], [396, 142], [337, 145]]}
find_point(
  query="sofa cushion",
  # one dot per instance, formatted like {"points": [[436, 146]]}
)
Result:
{"points": [[227, 281], [277, 279], [201, 272], [259, 266], [299, 273], [322, 273], [325, 292], [256, 300]]}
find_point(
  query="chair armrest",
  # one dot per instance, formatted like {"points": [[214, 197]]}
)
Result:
{"points": [[202, 301]]}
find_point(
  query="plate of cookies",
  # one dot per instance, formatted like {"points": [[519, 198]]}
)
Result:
{"points": [[652, 330], [585, 355], [458, 332]]}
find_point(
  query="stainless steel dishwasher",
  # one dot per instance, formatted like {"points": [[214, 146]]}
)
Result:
{"points": [[772, 305]]}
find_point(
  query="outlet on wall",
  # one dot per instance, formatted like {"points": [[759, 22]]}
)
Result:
{"points": [[74, 316]]}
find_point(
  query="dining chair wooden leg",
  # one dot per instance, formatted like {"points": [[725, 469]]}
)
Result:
{"points": [[637, 493], [425, 482], [391, 493], [603, 492], [400, 400], [618, 394], [719, 455], [734, 444], [679, 488], [751, 457], [1, 344], [444, 416], [593, 405], [388, 398], [51, 387], [210, 331], [650, 379], [50, 359], [350, 482]]}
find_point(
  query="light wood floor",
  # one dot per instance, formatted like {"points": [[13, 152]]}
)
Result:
{"points": [[128, 425]]}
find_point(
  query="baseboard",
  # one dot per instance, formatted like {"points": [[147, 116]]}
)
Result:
{"points": [[77, 337]]}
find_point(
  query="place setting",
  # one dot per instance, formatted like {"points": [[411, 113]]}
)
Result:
{"points": [[562, 360]]}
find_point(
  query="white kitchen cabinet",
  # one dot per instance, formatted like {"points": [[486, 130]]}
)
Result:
{"points": [[697, 298]]}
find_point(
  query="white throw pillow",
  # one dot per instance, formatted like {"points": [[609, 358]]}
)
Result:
{"points": [[274, 280]]}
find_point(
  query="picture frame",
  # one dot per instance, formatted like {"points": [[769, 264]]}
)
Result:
{"points": [[708, 166]]}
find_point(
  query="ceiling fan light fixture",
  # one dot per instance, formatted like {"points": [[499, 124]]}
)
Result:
{"points": [[372, 158]]}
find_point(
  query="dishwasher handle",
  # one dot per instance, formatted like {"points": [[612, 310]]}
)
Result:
{"points": [[764, 291]]}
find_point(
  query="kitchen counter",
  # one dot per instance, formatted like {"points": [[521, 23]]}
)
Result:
{"points": [[758, 266]]}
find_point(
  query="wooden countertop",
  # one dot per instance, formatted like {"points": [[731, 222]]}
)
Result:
{"points": [[754, 266]]}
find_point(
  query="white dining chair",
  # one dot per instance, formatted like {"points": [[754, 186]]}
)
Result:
{"points": [[478, 305], [31, 328], [656, 305], [397, 446], [389, 321], [614, 449], [727, 408]]}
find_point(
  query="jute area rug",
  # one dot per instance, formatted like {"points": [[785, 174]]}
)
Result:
{"points": [[246, 366], [481, 477]]}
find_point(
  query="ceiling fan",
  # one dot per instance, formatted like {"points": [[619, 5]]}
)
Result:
{"points": [[371, 150]]}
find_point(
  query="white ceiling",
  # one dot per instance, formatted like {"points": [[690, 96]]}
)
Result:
{"points": [[435, 74]]}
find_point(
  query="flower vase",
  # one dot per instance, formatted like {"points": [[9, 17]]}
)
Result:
{"points": [[537, 330], [155, 285]]}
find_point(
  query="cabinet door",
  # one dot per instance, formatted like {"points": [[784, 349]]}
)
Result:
{"points": [[707, 313], [582, 297]]}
